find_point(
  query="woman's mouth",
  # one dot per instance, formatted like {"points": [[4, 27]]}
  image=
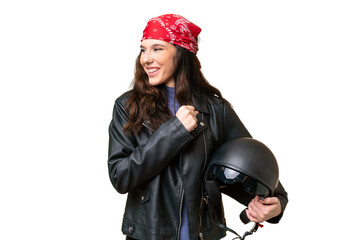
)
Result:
{"points": [[152, 71]]}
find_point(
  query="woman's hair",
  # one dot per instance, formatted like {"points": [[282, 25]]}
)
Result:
{"points": [[149, 103]]}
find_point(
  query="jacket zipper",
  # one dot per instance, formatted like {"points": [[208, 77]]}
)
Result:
{"points": [[202, 197], [181, 199], [148, 127], [202, 170], [202, 187], [180, 213]]}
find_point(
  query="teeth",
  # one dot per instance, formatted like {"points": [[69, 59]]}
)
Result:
{"points": [[152, 70]]}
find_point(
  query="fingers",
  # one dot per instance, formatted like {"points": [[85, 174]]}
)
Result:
{"points": [[192, 110], [251, 217], [187, 116], [270, 200], [262, 210], [255, 211], [189, 109]]}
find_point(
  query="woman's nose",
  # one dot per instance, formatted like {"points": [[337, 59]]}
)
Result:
{"points": [[148, 58]]}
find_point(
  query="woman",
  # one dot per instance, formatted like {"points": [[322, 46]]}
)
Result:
{"points": [[162, 134]]}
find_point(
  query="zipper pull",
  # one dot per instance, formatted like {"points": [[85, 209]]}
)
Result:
{"points": [[206, 199]]}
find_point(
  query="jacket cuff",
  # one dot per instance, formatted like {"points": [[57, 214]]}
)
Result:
{"points": [[178, 124]]}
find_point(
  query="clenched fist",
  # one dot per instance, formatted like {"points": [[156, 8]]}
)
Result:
{"points": [[187, 116]]}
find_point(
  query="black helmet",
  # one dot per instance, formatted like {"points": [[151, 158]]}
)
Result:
{"points": [[242, 168], [246, 161]]}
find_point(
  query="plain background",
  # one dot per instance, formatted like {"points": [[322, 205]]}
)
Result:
{"points": [[289, 68]]}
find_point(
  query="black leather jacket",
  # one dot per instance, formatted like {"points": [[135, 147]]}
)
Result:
{"points": [[163, 168]]}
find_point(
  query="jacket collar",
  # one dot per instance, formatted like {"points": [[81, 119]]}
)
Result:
{"points": [[200, 103]]}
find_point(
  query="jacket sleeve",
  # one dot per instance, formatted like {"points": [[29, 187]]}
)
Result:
{"points": [[130, 164], [234, 128], [281, 194]]}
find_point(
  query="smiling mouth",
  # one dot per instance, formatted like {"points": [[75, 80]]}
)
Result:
{"points": [[153, 70]]}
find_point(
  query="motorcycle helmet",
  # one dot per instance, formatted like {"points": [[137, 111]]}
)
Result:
{"points": [[241, 168], [246, 161]]}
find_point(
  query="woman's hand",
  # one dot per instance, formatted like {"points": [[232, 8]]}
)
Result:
{"points": [[187, 116], [261, 210]]}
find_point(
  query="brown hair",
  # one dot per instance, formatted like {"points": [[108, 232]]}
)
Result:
{"points": [[149, 103]]}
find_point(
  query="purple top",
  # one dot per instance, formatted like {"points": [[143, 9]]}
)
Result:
{"points": [[174, 106]]}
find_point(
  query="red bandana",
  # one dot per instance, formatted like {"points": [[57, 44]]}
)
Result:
{"points": [[173, 29]]}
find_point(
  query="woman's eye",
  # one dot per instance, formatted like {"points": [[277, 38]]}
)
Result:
{"points": [[157, 49]]}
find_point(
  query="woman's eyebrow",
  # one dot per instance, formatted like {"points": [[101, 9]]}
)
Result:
{"points": [[153, 46], [158, 45]]}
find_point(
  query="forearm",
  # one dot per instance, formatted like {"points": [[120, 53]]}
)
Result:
{"points": [[130, 166]]}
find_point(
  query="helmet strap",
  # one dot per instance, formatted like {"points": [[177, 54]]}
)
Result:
{"points": [[212, 197]]}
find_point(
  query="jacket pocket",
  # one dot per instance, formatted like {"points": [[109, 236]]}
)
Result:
{"points": [[139, 231], [142, 196]]}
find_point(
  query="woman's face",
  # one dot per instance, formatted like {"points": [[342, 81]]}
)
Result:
{"points": [[157, 59]]}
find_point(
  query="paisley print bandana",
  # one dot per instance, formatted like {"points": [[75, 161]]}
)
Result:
{"points": [[173, 29]]}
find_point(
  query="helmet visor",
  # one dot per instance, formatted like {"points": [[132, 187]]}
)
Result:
{"points": [[230, 176]]}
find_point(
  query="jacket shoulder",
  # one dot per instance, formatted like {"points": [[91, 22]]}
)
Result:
{"points": [[217, 101], [123, 98]]}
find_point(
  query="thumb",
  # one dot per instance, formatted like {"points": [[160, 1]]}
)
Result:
{"points": [[269, 200]]}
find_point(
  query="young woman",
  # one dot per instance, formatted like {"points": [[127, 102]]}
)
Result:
{"points": [[162, 134]]}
